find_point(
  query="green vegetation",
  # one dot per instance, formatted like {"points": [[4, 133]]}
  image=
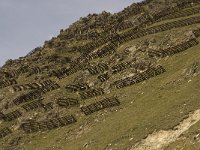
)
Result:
{"points": [[159, 103]]}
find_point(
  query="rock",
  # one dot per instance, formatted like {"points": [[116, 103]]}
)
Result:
{"points": [[2, 97], [85, 145], [15, 141], [193, 70]]}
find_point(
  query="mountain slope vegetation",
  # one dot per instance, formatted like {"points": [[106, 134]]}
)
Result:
{"points": [[107, 82]]}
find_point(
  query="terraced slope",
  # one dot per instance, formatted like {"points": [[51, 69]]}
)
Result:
{"points": [[109, 81]]}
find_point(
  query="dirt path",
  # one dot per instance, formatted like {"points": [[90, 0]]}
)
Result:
{"points": [[161, 139]]}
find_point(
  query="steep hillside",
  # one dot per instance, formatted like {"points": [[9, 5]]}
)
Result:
{"points": [[128, 80]]}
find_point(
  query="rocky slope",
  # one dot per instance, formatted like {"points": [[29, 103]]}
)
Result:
{"points": [[109, 81]]}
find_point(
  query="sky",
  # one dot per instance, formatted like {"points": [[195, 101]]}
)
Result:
{"points": [[26, 24]]}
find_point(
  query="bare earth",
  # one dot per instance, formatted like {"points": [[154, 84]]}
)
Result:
{"points": [[159, 140]]}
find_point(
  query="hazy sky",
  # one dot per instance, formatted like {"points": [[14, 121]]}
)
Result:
{"points": [[26, 24]]}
